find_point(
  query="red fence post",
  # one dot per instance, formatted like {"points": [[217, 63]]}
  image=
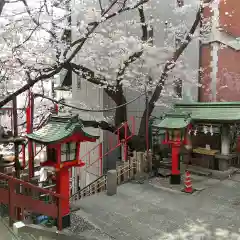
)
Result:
{"points": [[23, 156], [100, 159], [11, 208], [30, 143]]}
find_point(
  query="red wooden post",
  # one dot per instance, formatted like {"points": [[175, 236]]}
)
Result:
{"points": [[77, 150], [100, 159], [63, 189], [56, 109], [175, 153], [11, 208], [62, 186], [176, 176], [30, 144]]}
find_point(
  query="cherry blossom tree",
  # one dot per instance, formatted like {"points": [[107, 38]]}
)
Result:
{"points": [[36, 45]]}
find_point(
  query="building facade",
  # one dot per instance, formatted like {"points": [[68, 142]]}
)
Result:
{"points": [[219, 55]]}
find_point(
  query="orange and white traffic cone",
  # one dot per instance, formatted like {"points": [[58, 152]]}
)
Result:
{"points": [[188, 183]]}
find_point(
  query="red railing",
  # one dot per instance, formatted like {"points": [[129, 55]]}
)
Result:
{"points": [[23, 150], [26, 196], [120, 141]]}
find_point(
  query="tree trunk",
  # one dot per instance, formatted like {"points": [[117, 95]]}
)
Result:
{"points": [[2, 3], [170, 64]]}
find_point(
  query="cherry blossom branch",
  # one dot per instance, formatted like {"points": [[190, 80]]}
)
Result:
{"points": [[119, 98], [136, 55], [86, 73], [100, 5], [169, 65], [55, 69]]}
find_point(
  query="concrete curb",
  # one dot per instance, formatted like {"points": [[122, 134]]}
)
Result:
{"points": [[40, 231], [197, 190], [166, 189]]}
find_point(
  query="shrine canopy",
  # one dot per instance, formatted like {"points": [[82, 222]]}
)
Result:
{"points": [[174, 120], [208, 112], [62, 129]]}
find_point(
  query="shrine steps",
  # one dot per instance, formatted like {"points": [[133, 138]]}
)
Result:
{"points": [[126, 172], [83, 226], [10, 230], [199, 171]]}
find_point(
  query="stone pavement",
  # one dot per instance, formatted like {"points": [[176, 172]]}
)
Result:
{"points": [[141, 212], [5, 234], [199, 183]]}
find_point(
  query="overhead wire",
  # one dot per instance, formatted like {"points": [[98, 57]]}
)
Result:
{"points": [[88, 110]]}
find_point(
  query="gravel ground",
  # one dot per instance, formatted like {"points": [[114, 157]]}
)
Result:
{"points": [[141, 212]]}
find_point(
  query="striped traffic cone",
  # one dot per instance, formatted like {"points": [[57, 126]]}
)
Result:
{"points": [[188, 183]]}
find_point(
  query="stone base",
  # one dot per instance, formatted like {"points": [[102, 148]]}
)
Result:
{"points": [[175, 179], [111, 182], [224, 160], [66, 221]]}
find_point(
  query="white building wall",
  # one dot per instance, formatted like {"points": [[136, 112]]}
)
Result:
{"points": [[87, 96]]}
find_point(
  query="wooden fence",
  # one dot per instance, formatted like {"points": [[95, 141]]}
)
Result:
{"points": [[126, 171]]}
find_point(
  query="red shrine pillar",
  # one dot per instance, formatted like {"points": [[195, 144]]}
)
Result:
{"points": [[56, 109], [29, 126], [63, 189], [175, 177]]}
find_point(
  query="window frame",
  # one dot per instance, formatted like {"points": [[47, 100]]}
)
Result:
{"points": [[68, 151], [52, 154]]}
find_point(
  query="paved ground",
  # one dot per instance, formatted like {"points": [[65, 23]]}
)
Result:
{"points": [[199, 183], [5, 234], [141, 211]]}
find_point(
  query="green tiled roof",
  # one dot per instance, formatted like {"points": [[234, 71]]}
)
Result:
{"points": [[59, 128], [211, 111], [183, 114], [174, 121]]}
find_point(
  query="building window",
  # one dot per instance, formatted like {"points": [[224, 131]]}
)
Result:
{"points": [[68, 152], [79, 82], [52, 154]]}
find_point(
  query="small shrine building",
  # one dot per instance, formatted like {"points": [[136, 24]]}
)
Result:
{"points": [[62, 137], [208, 130]]}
